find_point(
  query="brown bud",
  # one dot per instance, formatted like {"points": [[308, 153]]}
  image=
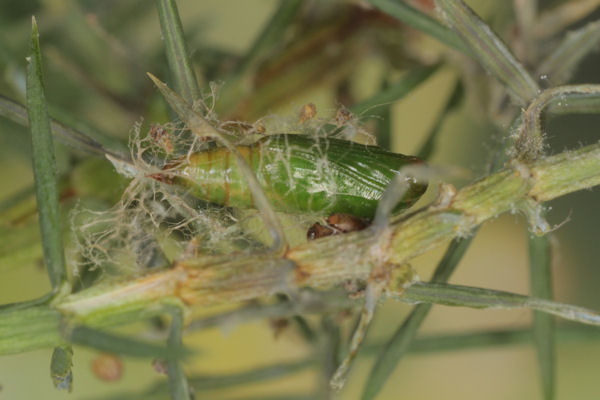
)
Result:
{"points": [[107, 367]]}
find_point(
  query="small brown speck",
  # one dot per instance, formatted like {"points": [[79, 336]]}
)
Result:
{"points": [[162, 138], [308, 111], [301, 274], [342, 116], [259, 127], [354, 288], [278, 325], [164, 178], [160, 366]]}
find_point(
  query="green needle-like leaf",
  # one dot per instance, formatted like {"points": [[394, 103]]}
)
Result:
{"points": [[237, 84], [212, 382], [489, 50], [394, 92], [274, 397], [540, 264], [474, 297], [184, 109], [300, 323], [19, 245], [453, 101], [177, 55], [12, 207], [560, 65], [329, 349], [402, 339], [44, 168], [383, 131], [424, 345], [400, 10], [559, 16], [379, 104], [506, 337], [576, 99], [67, 135], [271, 34], [216, 382], [104, 341], [178, 384]]}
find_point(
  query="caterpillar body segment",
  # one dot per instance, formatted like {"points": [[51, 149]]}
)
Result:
{"points": [[299, 174]]}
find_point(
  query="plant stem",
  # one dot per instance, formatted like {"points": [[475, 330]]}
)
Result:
{"points": [[329, 261]]}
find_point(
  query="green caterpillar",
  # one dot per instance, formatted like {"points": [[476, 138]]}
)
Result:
{"points": [[299, 174]]}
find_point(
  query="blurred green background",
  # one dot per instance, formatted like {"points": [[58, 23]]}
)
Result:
{"points": [[95, 58]]}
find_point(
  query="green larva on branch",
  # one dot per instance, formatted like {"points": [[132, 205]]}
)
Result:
{"points": [[299, 174]]}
